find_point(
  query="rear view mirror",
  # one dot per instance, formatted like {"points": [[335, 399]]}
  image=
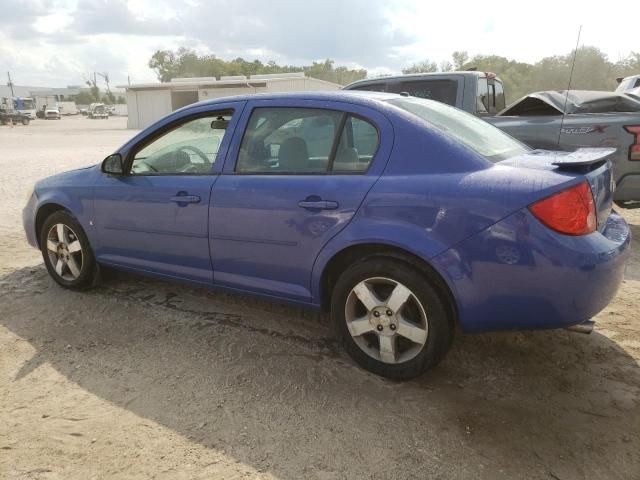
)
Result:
{"points": [[113, 165], [219, 123]]}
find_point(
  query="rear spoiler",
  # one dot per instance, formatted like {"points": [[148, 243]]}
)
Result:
{"points": [[581, 158]]}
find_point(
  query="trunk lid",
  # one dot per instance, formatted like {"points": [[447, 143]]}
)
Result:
{"points": [[592, 164]]}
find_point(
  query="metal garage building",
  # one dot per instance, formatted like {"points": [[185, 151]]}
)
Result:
{"points": [[149, 102]]}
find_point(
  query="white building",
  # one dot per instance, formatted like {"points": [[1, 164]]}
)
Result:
{"points": [[148, 102]]}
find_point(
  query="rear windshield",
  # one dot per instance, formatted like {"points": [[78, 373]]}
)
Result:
{"points": [[444, 91], [483, 138]]}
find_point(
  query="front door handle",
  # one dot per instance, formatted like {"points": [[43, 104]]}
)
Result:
{"points": [[183, 197], [318, 204]]}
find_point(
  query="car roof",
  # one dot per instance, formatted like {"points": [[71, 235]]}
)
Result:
{"points": [[419, 76], [356, 97]]}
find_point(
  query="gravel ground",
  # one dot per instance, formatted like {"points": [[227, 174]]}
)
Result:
{"points": [[141, 378]]}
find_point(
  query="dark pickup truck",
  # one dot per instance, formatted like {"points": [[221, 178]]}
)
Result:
{"points": [[544, 120], [8, 115]]}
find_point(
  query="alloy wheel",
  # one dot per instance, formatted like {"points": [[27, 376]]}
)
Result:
{"points": [[386, 320], [64, 251]]}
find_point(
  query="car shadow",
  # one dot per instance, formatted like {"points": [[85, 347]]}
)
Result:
{"points": [[266, 384]]}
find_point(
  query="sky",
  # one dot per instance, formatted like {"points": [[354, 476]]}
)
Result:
{"points": [[56, 43]]}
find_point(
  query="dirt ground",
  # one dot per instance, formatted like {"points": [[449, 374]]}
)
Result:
{"points": [[141, 378]]}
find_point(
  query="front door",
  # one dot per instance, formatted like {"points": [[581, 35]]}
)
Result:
{"points": [[300, 174], [155, 218]]}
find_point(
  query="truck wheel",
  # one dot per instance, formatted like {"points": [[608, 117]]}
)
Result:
{"points": [[391, 318], [25, 121]]}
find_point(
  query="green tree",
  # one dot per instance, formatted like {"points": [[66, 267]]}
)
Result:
{"points": [[186, 63], [83, 98], [426, 66], [459, 59]]}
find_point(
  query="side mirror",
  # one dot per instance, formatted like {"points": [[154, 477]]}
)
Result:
{"points": [[113, 165]]}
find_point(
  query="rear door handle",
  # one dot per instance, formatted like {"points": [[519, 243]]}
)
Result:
{"points": [[318, 204], [184, 198]]}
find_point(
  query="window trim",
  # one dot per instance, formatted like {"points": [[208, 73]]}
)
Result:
{"points": [[160, 132], [336, 141]]}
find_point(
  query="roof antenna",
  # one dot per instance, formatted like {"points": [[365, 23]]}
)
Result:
{"points": [[566, 97]]}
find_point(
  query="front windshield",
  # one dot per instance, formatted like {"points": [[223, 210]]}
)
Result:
{"points": [[480, 136]]}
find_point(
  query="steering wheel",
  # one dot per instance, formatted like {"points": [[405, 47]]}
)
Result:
{"points": [[196, 150], [148, 165]]}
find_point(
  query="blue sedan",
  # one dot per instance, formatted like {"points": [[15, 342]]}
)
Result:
{"points": [[402, 217]]}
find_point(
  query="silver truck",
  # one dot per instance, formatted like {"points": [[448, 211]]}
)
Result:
{"points": [[590, 119]]}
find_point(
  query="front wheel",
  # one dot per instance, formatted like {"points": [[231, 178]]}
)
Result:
{"points": [[391, 318], [66, 251], [25, 121]]}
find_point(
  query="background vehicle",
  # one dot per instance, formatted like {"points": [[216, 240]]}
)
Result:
{"points": [[26, 106], [628, 84], [592, 119], [68, 108], [401, 216], [98, 110], [8, 115], [52, 114]]}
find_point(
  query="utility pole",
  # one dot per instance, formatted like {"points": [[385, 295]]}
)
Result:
{"points": [[10, 83]]}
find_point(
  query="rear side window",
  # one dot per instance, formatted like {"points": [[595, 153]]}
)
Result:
{"points": [[480, 136], [357, 146], [306, 141]]}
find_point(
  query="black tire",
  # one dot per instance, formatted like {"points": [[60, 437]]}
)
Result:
{"points": [[25, 121], [85, 259], [438, 317]]}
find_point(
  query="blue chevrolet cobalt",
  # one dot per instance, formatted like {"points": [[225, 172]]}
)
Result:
{"points": [[404, 218]]}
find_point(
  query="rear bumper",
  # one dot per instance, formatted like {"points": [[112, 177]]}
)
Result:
{"points": [[520, 275]]}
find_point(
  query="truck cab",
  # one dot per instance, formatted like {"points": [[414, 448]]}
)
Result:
{"points": [[480, 93]]}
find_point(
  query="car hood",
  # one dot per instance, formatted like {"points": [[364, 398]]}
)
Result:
{"points": [[78, 177], [576, 101]]}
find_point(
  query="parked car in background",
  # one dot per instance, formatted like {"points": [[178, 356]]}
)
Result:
{"points": [[403, 217], [10, 115], [98, 110], [68, 108], [628, 84], [479, 93], [591, 119], [51, 113]]}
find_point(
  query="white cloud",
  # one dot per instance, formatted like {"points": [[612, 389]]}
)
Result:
{"points": [[57, 42]]}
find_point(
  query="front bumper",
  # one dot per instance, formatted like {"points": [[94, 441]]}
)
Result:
{"points": [[520, 275], [29, 220]]}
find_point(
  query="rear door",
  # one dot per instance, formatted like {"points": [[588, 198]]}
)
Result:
{"points": [[295, 176]]}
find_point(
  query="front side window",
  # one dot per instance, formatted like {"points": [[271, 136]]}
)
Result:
{"points": [[480, 136], [500, 101], [482, 96], [306, 141], [190, 148]]}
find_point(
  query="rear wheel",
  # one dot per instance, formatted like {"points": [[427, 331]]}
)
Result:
{"points": [[391, 318], [66, 251]]}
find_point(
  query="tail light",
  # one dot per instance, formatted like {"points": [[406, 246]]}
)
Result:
{"points": [[634, 149], [570, 211]]}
